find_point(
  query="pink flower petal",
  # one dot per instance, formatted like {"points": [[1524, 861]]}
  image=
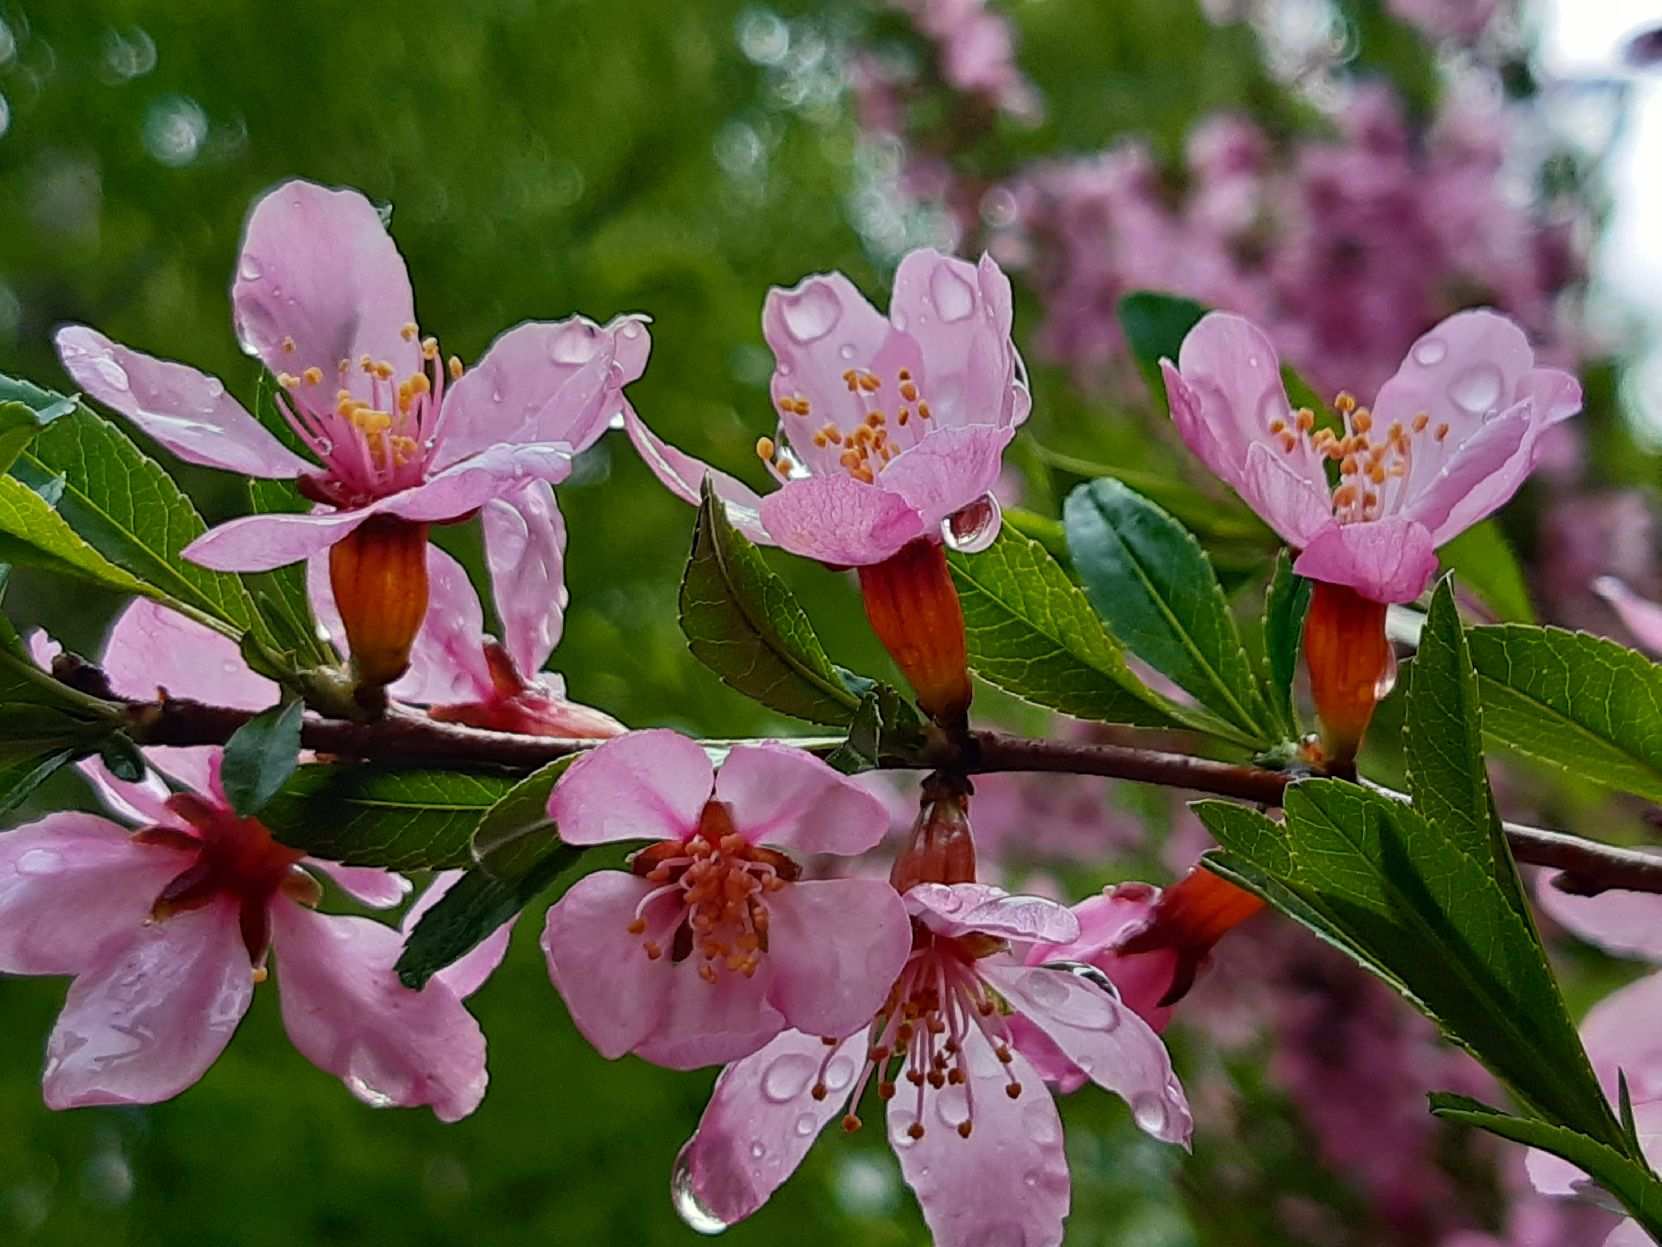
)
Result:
{"points": [[1554, 394], [319, 271], [1295, 507], [368, 885], [959, 315], [839, 520], [949, 469], [1628, 924], [963, 908], [447, 661], [761, 1120], [1231, 394], [137, 804], [525, 548], [151, 647], [185, 410], [1115, 1047], [1475, 480], [348, 1014], [837, 946], [152, 1013], [1104, 920], [1388, 560], [517, 392], [259, 543], [614, 991], [818, 330], [649, 785], [468, 973], [71, 883], [790, 799], [1007, 1182], [711, 1023], [684, 476], [1641, 617], [1620, 1033]]}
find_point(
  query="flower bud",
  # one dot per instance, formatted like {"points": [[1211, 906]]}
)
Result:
{"points": [[379, 577], [529, 708], [942, 848], [913, 608], [1352, 666]]}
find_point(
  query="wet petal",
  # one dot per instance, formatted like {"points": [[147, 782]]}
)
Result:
{"points": [[1388, 560], [649, 785], [467, 974], [1114, 1047], [1296, 507], [761, 1120], [1476, 480], [525, 548], [684, 476], [71, 883], [1007, 1182], [818, 330], [949, 469], [837, 946], [711, 1023], [615, 993], [963, 908], [151, 647], [1620, 1033], [368, 885], [791, 799], [319, 271], [348, 1014], [447, 661], [839, 520], [959, 315], [185, 410], [152, 1013], [1628, 924]]}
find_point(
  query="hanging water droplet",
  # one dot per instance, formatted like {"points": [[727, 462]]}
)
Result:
{"points": [[1477, 390], [39, 862], [688, 1206], [370, 1095], [1150, 1112], [1094, 1009], [787, 1077], [1429, 351], [811, 312], [954, 298], [616, 420], [1085, 970], [1046, 991], [971, 529]]}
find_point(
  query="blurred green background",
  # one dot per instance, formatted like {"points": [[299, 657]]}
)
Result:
{"points": [[541, 158]]}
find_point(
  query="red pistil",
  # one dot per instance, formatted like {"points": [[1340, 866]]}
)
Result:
{"points": [[718, 883]]}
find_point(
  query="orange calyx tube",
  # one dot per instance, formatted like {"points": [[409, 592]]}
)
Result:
{"points": [[379, 577], [914, 610], [1351, 665]]}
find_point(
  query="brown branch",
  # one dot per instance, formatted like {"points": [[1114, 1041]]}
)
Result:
{"points": [[410, 739]]}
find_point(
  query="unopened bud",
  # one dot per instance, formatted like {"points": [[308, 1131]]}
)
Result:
{"points": [[379, 577]]}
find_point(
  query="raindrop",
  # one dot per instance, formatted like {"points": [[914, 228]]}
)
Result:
{"points": [[972, 529], [616, 420], [174, 127], [1095, 1009], [898, 318], [688, 1206], [846, 350], [575, 344], [1253, 361], [250, 269], [787, 1077], [805, 1125], [1084, 970], [810, 313], [631, 329], [496, 396], [38, 862], [8, 43], [1046, 991], [840, 1073], [1429, 351], [1477, 390], [952, 1106], [758, 1149], [372, 1096], [1040, 1121], [111, 373], [953, 296], [999, 210], [1001, 1233], [128, 56], [1150, 1112]]}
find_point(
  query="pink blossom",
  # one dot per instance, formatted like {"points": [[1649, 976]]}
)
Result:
{"points": [[711, 943], [1640, 616], [167, 929], [977, 1135], [464, 676], [322, 297], [1449, 440], [1462, 19], [889, 427]]}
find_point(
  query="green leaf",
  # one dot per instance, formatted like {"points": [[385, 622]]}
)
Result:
{"points": [[1584, 705], [1483, 560], [381, 816], [126, 507], [521, 814], [260, 757], [18, 425], [21, 776], [886, 726], [1148, 577], [1627, 1177], [1285, 605], [33, 534], [1031, 632], [1155, 326], [283, 607], [121, 757], [743, 623], [1429, 916]]}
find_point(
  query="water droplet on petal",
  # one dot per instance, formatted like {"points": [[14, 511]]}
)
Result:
{"points": [[616, 421], [1040, 1121], [370, 1095], [111, 373], [38, 862], [758, 1149], [846, 350], [1003, 1233], [576, 343], [250, 269], [954, 298], [805, 1125], [839, 1073], [971, 529], [811, 312], [496, 396], [952, 1106], [898, 319], [1150, 1112], [1477, 390], [787, 1077], [1429, 351], [688, 1206]]}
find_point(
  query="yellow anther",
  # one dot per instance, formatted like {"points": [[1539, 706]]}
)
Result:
{"points": [[288, 345], [1362, 421], [765, 449], [455, 368], [1420, 421], [366, 363], [923, 411], [908, 391], [409, 331], [1278, 427], [1442, 431], [1306, 419], [288, 380], [429, 348], [1344, 402], [313, 375], [868, 382], [787, 465]]}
